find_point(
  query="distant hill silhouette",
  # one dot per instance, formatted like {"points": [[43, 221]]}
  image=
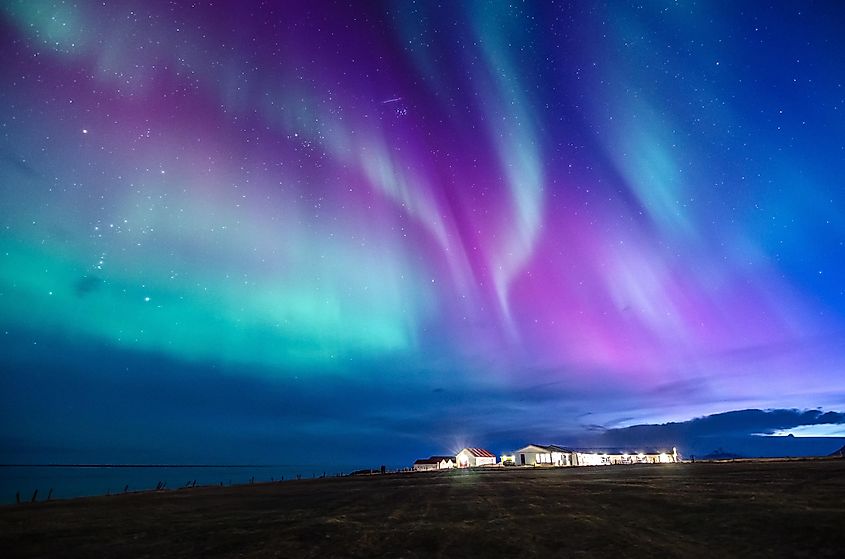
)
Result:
{"points": [[720, 454]]}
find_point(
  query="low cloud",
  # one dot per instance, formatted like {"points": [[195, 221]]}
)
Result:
{"points": [[735, 432]]}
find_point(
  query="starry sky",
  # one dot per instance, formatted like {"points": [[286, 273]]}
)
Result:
{"points": [[243, 231]]}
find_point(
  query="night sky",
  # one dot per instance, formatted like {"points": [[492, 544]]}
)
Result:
{"points": [[366, 232]]}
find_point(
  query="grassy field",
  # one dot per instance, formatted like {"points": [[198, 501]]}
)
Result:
{"points": [[772, 509]]}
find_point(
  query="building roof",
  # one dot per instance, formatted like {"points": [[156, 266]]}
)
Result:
{"points": [[555, 448], [548, 448], [434, 460], [480, 453]]}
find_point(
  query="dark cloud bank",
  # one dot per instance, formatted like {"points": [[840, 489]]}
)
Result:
{"points": [[740, 433]]}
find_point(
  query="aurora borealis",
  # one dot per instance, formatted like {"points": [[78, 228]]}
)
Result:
{"points": [[383, 225]]}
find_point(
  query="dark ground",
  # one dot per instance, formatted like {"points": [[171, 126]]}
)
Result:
{"points": [[743, 509]]}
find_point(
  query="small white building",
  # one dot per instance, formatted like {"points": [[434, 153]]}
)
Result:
{"points": [[542, 455], [471, 457], [425, 465], [444, 462], [434, 463]]}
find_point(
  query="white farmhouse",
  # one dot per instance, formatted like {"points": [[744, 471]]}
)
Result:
{"points": [[538, 455], [471, 457]]}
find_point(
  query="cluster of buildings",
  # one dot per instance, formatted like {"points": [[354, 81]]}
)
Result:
{"points": [[467, 458], [549, 455]]}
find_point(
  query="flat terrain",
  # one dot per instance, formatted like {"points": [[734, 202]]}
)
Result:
{"points": [[746, 509]]}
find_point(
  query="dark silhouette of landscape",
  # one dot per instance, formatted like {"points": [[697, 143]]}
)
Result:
{"points": [[730, 509]]}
